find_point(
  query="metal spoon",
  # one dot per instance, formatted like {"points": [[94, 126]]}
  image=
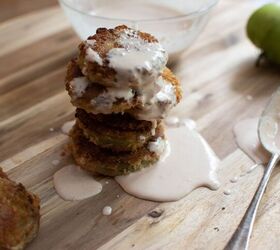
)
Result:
{"points": [[269, 135]]}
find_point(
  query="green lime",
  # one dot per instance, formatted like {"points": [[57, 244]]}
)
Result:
{"points": [[263, 29]]}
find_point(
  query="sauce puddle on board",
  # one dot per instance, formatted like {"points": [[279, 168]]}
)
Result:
{"points": [[246, 135], [188, 163], [72, 183], [139, 10]]}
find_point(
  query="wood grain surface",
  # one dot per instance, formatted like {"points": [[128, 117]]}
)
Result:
{"points": [[217, 74]]}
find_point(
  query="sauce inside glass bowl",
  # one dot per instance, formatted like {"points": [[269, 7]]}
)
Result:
{"points": [[135, 11]]}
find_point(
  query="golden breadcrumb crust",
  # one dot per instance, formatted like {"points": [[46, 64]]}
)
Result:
{"points": [[106, 162], [19, 214], [126, 137], [93, 90], [104, 41]]}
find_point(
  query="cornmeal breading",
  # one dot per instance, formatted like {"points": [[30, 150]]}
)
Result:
{"points": [[106, 162], [19, 214], [94, 97], [123, 133], [99, 46]]}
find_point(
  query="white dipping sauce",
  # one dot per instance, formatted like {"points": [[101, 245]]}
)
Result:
{"points": [[78, 86], [67, 126], [227, 192], [171, 121], [174, 121], [187, 163], [158, 146], [107, 210], [246, 135], [234, 179], [93, 56], [156, 106], [138, 11], [137, 61], [191, 124], [103, 103], [251, 169], [72, 183]]}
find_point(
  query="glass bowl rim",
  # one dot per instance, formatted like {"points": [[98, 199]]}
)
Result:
{"points": [[192, 14]]}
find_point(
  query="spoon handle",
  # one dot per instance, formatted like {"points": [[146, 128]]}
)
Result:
{"points": [[240, 238]]}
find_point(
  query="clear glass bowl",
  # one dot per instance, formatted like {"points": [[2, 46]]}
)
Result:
{"points": [[176, 23]]}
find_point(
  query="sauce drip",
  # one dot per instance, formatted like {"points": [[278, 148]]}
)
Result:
{"points": [[156, 105], [103, 103], [79, 85], [187, 163]]}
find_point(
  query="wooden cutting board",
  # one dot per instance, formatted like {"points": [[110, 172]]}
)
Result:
{"points": [[218, 75]]}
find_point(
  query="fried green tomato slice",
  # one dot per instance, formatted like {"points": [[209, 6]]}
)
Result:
{"points": [[123, 134], [19, 214], [157, 106], [106, 162], [121, 57], [95, 98]]}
